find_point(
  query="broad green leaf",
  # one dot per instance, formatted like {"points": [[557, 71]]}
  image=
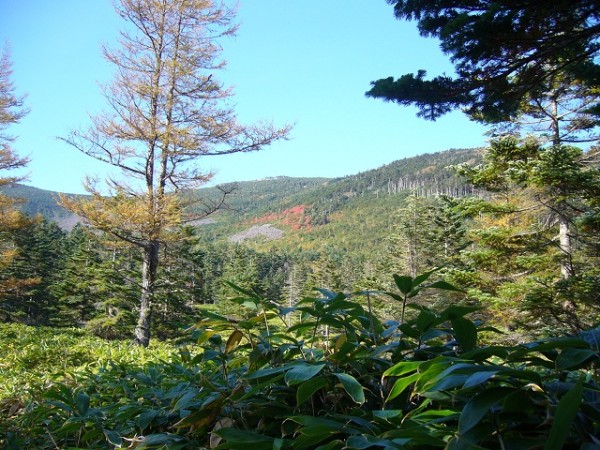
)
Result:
{"points": [[366, 441], [307, 389], [401, 384], [83, 403], [479, 378], [250, 304], [243, 439], [161, 440], [404, 283], [331, 295], [425, 320], [483, 353], [241, 290], [311, 440], [205, 336], [571, 358], [401, 368], [435, 415], [555, 344], [319, 430], [302, 372], [202, 417], [423, 277], [444, 286], [215, 316], [395, 296], [184, 401], [71, 426], [233, 341], [311, 421], [146, 418], [431, 372], [113, 437], [332, 445], [61, 405], [266, 372], [448, 382], [257, 388], [477, 407], [453, 312], [567, 409], [352, 387], [465, 332]]}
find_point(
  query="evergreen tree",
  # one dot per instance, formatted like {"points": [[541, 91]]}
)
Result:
{"points": [[74, 285], [34, 268], [536, 191], [97, 285], [502, 53]]}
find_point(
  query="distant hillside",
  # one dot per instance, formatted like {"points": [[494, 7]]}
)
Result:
{"points": [[39, 201], [302, 203], [353, 214], [425, 175]]}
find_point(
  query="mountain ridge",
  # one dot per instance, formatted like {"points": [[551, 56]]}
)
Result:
{"points": [[321, 198]]}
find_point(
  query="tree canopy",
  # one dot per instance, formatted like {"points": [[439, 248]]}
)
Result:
{"points": [[502, 52], [166, 109]]}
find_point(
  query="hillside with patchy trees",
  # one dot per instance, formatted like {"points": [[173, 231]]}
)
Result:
{"points": [[447, 300]]}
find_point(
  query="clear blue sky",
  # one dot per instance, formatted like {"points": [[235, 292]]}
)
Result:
{"points": [[307, 63]]}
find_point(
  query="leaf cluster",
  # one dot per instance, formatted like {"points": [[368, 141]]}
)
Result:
{"points": [[328, 374]]}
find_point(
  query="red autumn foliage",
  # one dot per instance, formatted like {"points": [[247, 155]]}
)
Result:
{"points": [[294, 217]]}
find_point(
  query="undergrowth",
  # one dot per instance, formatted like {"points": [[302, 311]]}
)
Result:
{"points": [[338, 378]]}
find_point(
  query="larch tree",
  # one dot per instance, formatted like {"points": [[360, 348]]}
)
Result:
{"points": [[167, 109], [12, 110]]}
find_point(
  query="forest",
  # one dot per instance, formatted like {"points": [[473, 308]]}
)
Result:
{"points": [[449, 300]]}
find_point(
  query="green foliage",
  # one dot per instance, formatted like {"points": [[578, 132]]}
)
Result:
{"points": [[502, 52], [325, 374], [533, 259], [39, 257]]}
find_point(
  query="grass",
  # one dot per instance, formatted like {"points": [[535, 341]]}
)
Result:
{"points": [[33, 358]]}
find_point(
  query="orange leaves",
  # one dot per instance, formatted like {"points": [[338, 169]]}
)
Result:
{"points": [[295, 217], [136, 218]]}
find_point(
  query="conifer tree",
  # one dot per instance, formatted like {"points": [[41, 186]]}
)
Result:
{"points": [[502, 53], [167, 109], [11, 220], [539, 225], [38, 259]]}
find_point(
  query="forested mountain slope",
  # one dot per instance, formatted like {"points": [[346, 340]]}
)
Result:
{"points": [[303, 203]]}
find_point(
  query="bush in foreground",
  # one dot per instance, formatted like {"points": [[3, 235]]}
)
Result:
{"points": [[338, 378]]}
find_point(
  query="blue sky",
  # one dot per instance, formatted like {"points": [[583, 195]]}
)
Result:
{"points": [[307, 63]]}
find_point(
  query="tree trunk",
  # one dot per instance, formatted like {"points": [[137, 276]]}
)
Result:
{"points": [[149, 269], [566, 267]]}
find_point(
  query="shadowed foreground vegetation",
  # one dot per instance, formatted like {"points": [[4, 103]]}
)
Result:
{"points": [[324, 374]]}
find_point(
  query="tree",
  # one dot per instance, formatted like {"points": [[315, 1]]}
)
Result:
{"points": [[167, 111], [11, 220], [531, 66], [533, 234], [502, 51], [38, 259], [97, 284], [12, 110]]}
